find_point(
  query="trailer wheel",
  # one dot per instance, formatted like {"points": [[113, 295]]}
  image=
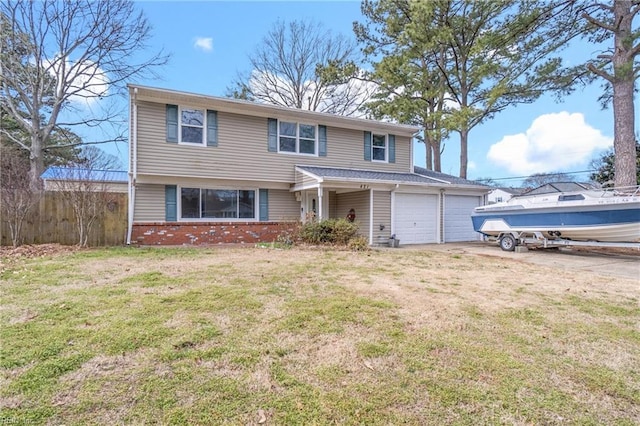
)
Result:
{"points": [[508, 242]]}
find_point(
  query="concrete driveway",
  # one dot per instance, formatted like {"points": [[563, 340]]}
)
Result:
{"points": [[611, 262]]}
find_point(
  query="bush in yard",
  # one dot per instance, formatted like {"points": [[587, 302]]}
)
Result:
{"points": [[329, 231], [359, 243]]}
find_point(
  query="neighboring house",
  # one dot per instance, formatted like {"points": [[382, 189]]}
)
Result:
{"points": [[207, 170], [498, 195], [65, 178]]}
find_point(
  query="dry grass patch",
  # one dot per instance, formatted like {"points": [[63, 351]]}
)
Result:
{"points": [[314, 336]]}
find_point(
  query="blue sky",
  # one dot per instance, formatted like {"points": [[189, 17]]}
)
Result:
{"points": [[210, 40]]}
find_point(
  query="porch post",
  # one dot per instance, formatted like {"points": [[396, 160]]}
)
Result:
{"points": [[320, 202]]}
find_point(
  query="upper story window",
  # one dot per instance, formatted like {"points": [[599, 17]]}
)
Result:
{"points": [[297, 138], [192, 125], [379, 148]]}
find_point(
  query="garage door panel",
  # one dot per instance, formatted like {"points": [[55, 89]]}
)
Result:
{"points": [[457, 218], [415, 218]]}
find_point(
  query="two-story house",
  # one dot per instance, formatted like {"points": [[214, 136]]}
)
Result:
{"points": [[208, 170]]}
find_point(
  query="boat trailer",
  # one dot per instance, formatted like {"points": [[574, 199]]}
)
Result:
{"points": [[508, 241]]}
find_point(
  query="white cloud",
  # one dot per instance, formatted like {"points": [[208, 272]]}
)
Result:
{"points": [[84, 81], [203, 43], [471, 165], [553, 142]]}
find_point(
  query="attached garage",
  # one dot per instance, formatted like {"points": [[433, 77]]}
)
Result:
{"points": [[415, 218], [457, 218]]}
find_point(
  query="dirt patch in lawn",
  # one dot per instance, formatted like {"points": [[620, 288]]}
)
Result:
{"points": [[36, 250]]}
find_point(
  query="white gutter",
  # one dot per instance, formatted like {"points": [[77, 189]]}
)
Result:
{"points": [[133, 169]]}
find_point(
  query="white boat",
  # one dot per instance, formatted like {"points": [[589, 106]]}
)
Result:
{"points": [[567, 211]]}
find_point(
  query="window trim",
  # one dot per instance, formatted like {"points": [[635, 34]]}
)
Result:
{"points": [[204, 125], [386, 147], [256, 205], [316, 147]]}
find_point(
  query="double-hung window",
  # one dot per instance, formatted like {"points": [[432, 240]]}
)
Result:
{"points": [[379, 148], [192, 125], [297, 138], [201, 203]]}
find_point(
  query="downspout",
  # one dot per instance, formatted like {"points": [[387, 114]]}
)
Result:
{"points": [[393, 208], [441, 217], [133, 165], [371, 216]]}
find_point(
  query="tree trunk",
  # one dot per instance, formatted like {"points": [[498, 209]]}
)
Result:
{"points": [[429, 150], [464, 136], [437, 157], [36, 161], [624, 143], [623, 82]]}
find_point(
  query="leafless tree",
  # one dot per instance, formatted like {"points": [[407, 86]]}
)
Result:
{"points": [[620, 69], [63, 62], [85, 186], [300, 65], [539, 179], [18, 198]]}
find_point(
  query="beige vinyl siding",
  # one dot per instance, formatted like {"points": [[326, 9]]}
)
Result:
{"points": [[308, 180], [359, 201], [149, 203], [283, 206], [381, 214], [333, 205], [242, 150]]}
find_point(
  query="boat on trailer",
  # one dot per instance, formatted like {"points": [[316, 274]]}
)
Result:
{"points": [[564, 213]]}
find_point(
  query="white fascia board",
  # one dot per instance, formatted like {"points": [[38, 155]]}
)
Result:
{"points": [[159, 95]]}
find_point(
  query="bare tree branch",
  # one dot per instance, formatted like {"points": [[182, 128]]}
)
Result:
{"points": [[299, 65], [64, 56]]}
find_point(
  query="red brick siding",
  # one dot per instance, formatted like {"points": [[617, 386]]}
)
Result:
{"points": [[198, 233]]}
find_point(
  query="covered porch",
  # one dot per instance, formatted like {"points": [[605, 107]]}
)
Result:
{"points": [[330, 193]]}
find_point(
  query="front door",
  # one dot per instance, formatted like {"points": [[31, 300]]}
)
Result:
{"points": [[309, 209]]}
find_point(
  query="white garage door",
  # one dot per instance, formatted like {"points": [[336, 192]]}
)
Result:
{"points": [[457, 218], [415, 220]]}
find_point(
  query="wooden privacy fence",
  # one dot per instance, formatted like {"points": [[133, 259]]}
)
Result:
{"points": [[53, 221]]}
